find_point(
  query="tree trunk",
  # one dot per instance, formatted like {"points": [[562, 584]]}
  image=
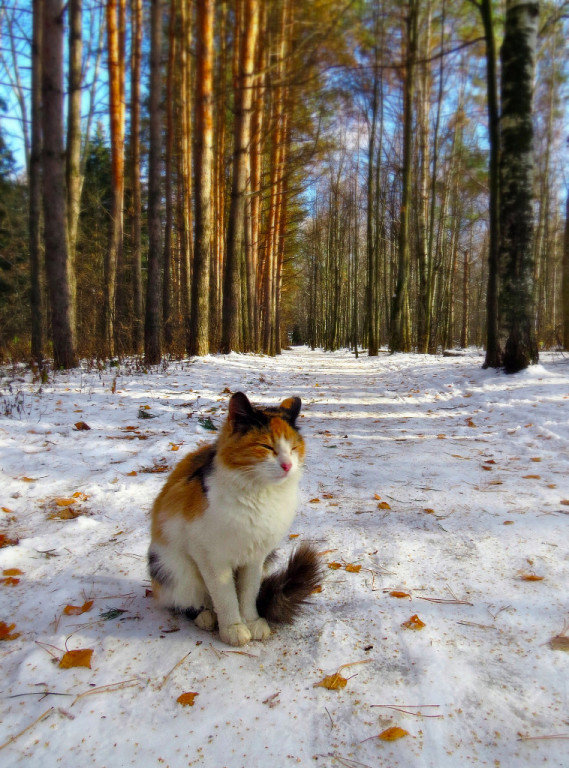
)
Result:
{"points": [[169, 203], [153, 319], [493, 350], [35, 181], [400, 330], [73, 156], [465, 300], [516, 300], [136, 36], [565, 278], [371, 241], [203, 171], [55, 222], [241, 139]]}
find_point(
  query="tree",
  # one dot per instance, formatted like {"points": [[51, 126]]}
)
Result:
{"points": [[516, 299], [73, 154], [153, 319], [35, 184], [55, 222], [136, 38]]}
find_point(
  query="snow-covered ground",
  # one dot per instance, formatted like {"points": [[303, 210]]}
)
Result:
{"points": [[439, 479]]}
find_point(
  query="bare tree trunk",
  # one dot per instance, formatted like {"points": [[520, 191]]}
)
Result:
{"points": [[55, 221], [371, 241], [565, 278], [400, 330], [203, 170], [136, 37], [36, 187], [153, 319], [169, 148], [73, 168], [465, 300], [516, 300], [242, 138]]}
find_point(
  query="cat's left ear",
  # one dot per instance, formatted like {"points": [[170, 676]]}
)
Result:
{"points": [[292, 407]]}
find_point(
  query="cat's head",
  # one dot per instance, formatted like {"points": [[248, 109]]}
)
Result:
{"points": [[262, 442]]}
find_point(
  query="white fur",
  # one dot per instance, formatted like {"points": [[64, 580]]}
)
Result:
{"points": [[248, 512]]}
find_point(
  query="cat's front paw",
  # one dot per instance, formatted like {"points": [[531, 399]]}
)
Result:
{"points": [[259, 629], [235, 634]]}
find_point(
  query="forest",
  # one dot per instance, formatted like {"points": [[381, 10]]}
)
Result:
{"points": [[185, 177]]}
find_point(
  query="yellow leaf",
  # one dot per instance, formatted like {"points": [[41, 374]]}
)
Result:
{"points": [[332, 682], [413, 623], [293, 535], [317, 590], [28, 479], [9, 581], [6, 631], [334, 566], [376, 496], [441, 437], [12, 572], [397, 593], [79, 658], [187, 699], [393, 733], [9, 511], [353, 568], [383, 505], [175, 448], [315, 501], [77, 610], [65, 502], [80, 495]]}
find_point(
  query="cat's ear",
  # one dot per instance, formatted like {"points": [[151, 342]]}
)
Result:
{"points": [[241, 412], [292, 407]]}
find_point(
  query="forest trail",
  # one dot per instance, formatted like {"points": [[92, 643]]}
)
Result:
{"points": [[426, 476]]}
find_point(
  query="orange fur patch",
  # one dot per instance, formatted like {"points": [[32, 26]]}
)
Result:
{"points": [[238, 450]]}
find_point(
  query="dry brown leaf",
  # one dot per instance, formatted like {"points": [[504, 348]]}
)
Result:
{"points": [[441, 437], [559, 643], [334, 566], [293, 535], [6, 541], [376, 496], [565, 502], [397, 593], [413, 623], [531, 577], [134, 473], [383, 505], [429, 511], [9, 581], [6, 631], [25, 479], [65, 514], [187, 699], [317, 590], [327, 495], [315, 501], [393, 733], [77, 610], [81, 426], [332, 682], [353, 568], [12, 572], [535, 458], [531, 477], [488, 469], [7, 510], [80, 496], [78, 658]]}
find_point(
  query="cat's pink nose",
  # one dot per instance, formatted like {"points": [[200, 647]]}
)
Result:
{"points": [[286, 465]]}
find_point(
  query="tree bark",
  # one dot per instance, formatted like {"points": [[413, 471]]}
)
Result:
{"points": [[153, 318], [55, 220], [35, 201], [203, 171], [516, 300], [168, 186], [136, 37], [400, 330], [565, 278]]}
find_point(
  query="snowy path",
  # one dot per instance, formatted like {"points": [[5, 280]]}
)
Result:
{"points": [[440, 480]]}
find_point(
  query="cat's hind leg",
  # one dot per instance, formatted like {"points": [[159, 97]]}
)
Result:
{"points": [[177, 584]]}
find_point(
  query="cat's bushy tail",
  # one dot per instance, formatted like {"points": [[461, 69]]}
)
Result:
{"points": [[284, 593]]}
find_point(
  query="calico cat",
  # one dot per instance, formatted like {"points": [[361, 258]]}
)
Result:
{"points": [[217, 519]]}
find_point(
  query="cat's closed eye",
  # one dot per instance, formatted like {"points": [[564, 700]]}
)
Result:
{"points": [[268, 447]]}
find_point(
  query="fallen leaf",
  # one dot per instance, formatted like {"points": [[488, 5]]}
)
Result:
{"points": [[531, 477], [12, 572], [393, 733], [134, 473], [383, 505], [565, 502], [332, 682], [376, 496], [334, 566], [78, 658], [61, 502], [508, 522], [470, 423], [81, 426], [187, 699], [441, 437], [413, 623], [293, 535], [327, 495], [80, 495], [6, 541], [353, 568], [535, 458], [397, 593], [6, 631], [317, 590], [9, 511], [559, 643], [28, 479], [9, 581], [429, 511], [174, 447], [531, 577], [77, 610], [112, 613], [315, 501], [488, 469], [65, 514]]}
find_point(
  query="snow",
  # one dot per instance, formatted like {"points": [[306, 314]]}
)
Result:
{"points": [[415, 431]]}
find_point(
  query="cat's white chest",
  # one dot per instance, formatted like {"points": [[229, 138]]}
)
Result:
{"points": [[248, 521]]}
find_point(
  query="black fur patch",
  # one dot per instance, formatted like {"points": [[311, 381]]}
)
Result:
{"points": [[158, 572], [284, 594], [202, 472]]}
